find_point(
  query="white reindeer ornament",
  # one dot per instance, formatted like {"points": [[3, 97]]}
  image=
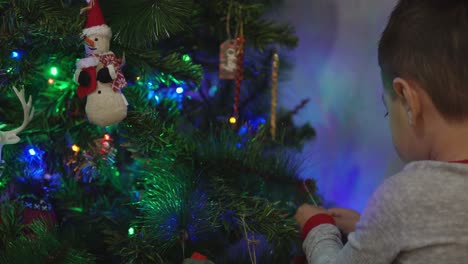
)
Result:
{"points": [[11, 136]]}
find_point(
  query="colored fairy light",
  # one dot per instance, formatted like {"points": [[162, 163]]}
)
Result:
{"points": [[75, 148], [54, 71], [32, 152], [76, 209], [213, 90], [150, 84], [179, 90], [15, 55], [131, 231], [232, 120], [138, 78], [61, 85], [50, 81], [107, 137], [186, 58]]}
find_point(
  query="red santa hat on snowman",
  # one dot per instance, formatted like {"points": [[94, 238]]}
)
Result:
{"points": [[95, 24]]}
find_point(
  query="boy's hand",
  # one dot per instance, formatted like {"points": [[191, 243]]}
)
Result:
{"points": [[306, 211], [345, 219]]}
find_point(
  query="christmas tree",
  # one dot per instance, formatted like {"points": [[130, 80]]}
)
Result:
{"points": [[157, 141]]}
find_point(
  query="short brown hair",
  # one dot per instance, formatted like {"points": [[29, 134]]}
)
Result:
{"points": [[427, 41]]}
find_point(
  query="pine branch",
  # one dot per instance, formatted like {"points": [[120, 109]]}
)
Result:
{"points": [[10, 224], [146, 135], [264, 33], [42, 246], [149, 61], [142, 23], [46, 18]]}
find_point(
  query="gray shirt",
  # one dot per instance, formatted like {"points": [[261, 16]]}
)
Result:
{"points": [[419, 215]]}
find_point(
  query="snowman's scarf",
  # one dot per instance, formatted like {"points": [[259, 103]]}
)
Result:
{"points": [[110, 59]]}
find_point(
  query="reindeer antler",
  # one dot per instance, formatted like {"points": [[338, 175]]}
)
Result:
{"points": [[10, 137], [28, 110], [85, 9]]}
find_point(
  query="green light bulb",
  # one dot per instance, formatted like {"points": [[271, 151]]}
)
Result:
{"points": [[186, 58], [131, 231], [54, 71]]}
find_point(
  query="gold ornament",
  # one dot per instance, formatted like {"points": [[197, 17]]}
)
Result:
{"points": [[274, 94]]}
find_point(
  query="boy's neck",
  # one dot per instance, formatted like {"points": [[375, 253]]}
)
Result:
{"points": [[449, 141]]}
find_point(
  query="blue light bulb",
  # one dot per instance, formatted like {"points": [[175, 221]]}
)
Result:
{"points": [[179, 90], [32, 152], [15, 55]]}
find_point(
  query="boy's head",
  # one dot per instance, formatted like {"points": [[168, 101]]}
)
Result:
{"points": [[423, 56]]}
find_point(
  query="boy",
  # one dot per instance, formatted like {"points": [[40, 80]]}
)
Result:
{"points": [[419, 215]]}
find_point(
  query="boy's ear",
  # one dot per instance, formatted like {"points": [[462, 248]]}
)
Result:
{"points": [[407, 91]]}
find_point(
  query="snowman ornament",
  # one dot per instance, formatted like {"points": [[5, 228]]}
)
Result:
{"points": [[99, 75]]}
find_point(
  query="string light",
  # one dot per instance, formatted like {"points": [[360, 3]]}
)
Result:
{"points": [[32, 152], [76, 209], [50, 81], [107, 137], [131, 231], [75, 148], [179, 90], [61, 85], [186, 58], [232, 120], [138, 78], [54, 71], [15, 55]]}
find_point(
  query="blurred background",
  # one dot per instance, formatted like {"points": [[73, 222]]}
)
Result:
{"points": [[335, 65]]}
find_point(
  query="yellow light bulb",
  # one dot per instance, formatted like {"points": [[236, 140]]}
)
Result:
{"points": [[75, 148], [232, 120]]}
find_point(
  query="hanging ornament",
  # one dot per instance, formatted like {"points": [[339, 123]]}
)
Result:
{"points": [[197, 258], [183, 238], [99, 75], [106, 146], [37, 209], [239, 76], [228, 59], [228, 52], [10, 137], [240, 67], [310, 187], [85, 163], [274, 94], [232, 59]]}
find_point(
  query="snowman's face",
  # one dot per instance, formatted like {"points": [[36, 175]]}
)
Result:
{"points": [[98, 44]]}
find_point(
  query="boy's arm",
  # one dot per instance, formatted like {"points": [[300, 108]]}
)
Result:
{"points": [[377, 238]]}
